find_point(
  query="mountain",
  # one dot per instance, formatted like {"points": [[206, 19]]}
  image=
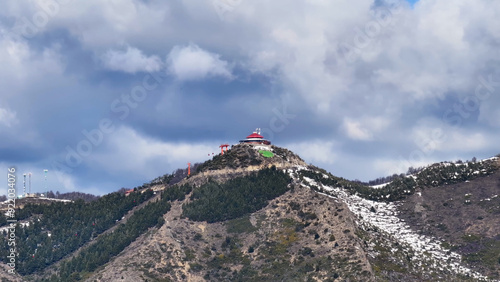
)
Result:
{"points": [[263, 214]]}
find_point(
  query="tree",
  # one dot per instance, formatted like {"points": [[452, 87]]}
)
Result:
{"points": [[214, 202]]}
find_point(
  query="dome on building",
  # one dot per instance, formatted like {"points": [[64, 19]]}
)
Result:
{"points": [[255, 135]]}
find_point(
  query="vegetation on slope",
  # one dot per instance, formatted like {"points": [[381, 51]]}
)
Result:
{"points": [[237, 156], [211, 202], [73, 196], [299, 236], [112, 244], [483, 252], [215, 202], [243, 155], [438, 174], [59, 229]]}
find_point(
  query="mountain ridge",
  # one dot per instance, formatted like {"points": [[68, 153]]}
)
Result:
{"points": [[316, 226]]}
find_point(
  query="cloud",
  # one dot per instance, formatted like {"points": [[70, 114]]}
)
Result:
{"points": [[487, 96], [130, 153], [193, 63], [463, 142], [66, 181], [7, 117], [131, 60], [316, 152], [385, 166], [356, 131], [20, 62], [416, 64], [363, 129], [433, 136]]}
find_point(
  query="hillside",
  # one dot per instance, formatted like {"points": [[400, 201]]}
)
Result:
{"points": [[297, 235], [252, 215], [466, 215]]}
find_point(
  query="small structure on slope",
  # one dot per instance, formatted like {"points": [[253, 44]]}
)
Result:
{"points": [[222, 148]]}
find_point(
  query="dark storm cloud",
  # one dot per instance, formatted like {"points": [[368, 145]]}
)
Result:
{"points": [[356, 87]]}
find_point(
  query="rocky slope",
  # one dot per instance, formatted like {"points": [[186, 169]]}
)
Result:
{"points": [[299, 235], [318, 232], [441, 224], [465, 215]]}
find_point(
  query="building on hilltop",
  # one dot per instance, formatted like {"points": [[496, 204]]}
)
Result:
{"points": [[255, 139]]}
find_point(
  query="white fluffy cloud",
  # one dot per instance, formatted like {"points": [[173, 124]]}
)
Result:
{"points": [[21, 64], [364, 129], [131, 60], [355, 130], [193, 63], [317, 152], [129, 152], [7, 117]]}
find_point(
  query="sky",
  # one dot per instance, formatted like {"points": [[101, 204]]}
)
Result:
{"points": [[111, 94]]}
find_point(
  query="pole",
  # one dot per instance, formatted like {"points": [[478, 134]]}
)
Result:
{"points": [[24, 185], [45, 172]]}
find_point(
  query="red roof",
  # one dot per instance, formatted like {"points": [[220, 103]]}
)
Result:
{"points": [[254, 135]]}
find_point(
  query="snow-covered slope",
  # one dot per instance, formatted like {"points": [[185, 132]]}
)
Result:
{"points": [[427, 252]]}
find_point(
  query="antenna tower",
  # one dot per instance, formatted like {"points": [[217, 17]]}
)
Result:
{"points": [[29, 177], [24, 185]]}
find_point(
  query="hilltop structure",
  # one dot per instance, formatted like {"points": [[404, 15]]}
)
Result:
{"points": [[256, 139]]}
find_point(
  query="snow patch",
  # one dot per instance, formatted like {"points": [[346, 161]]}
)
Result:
{"points": [[380, 185], [261, 147], [385, 218]]}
